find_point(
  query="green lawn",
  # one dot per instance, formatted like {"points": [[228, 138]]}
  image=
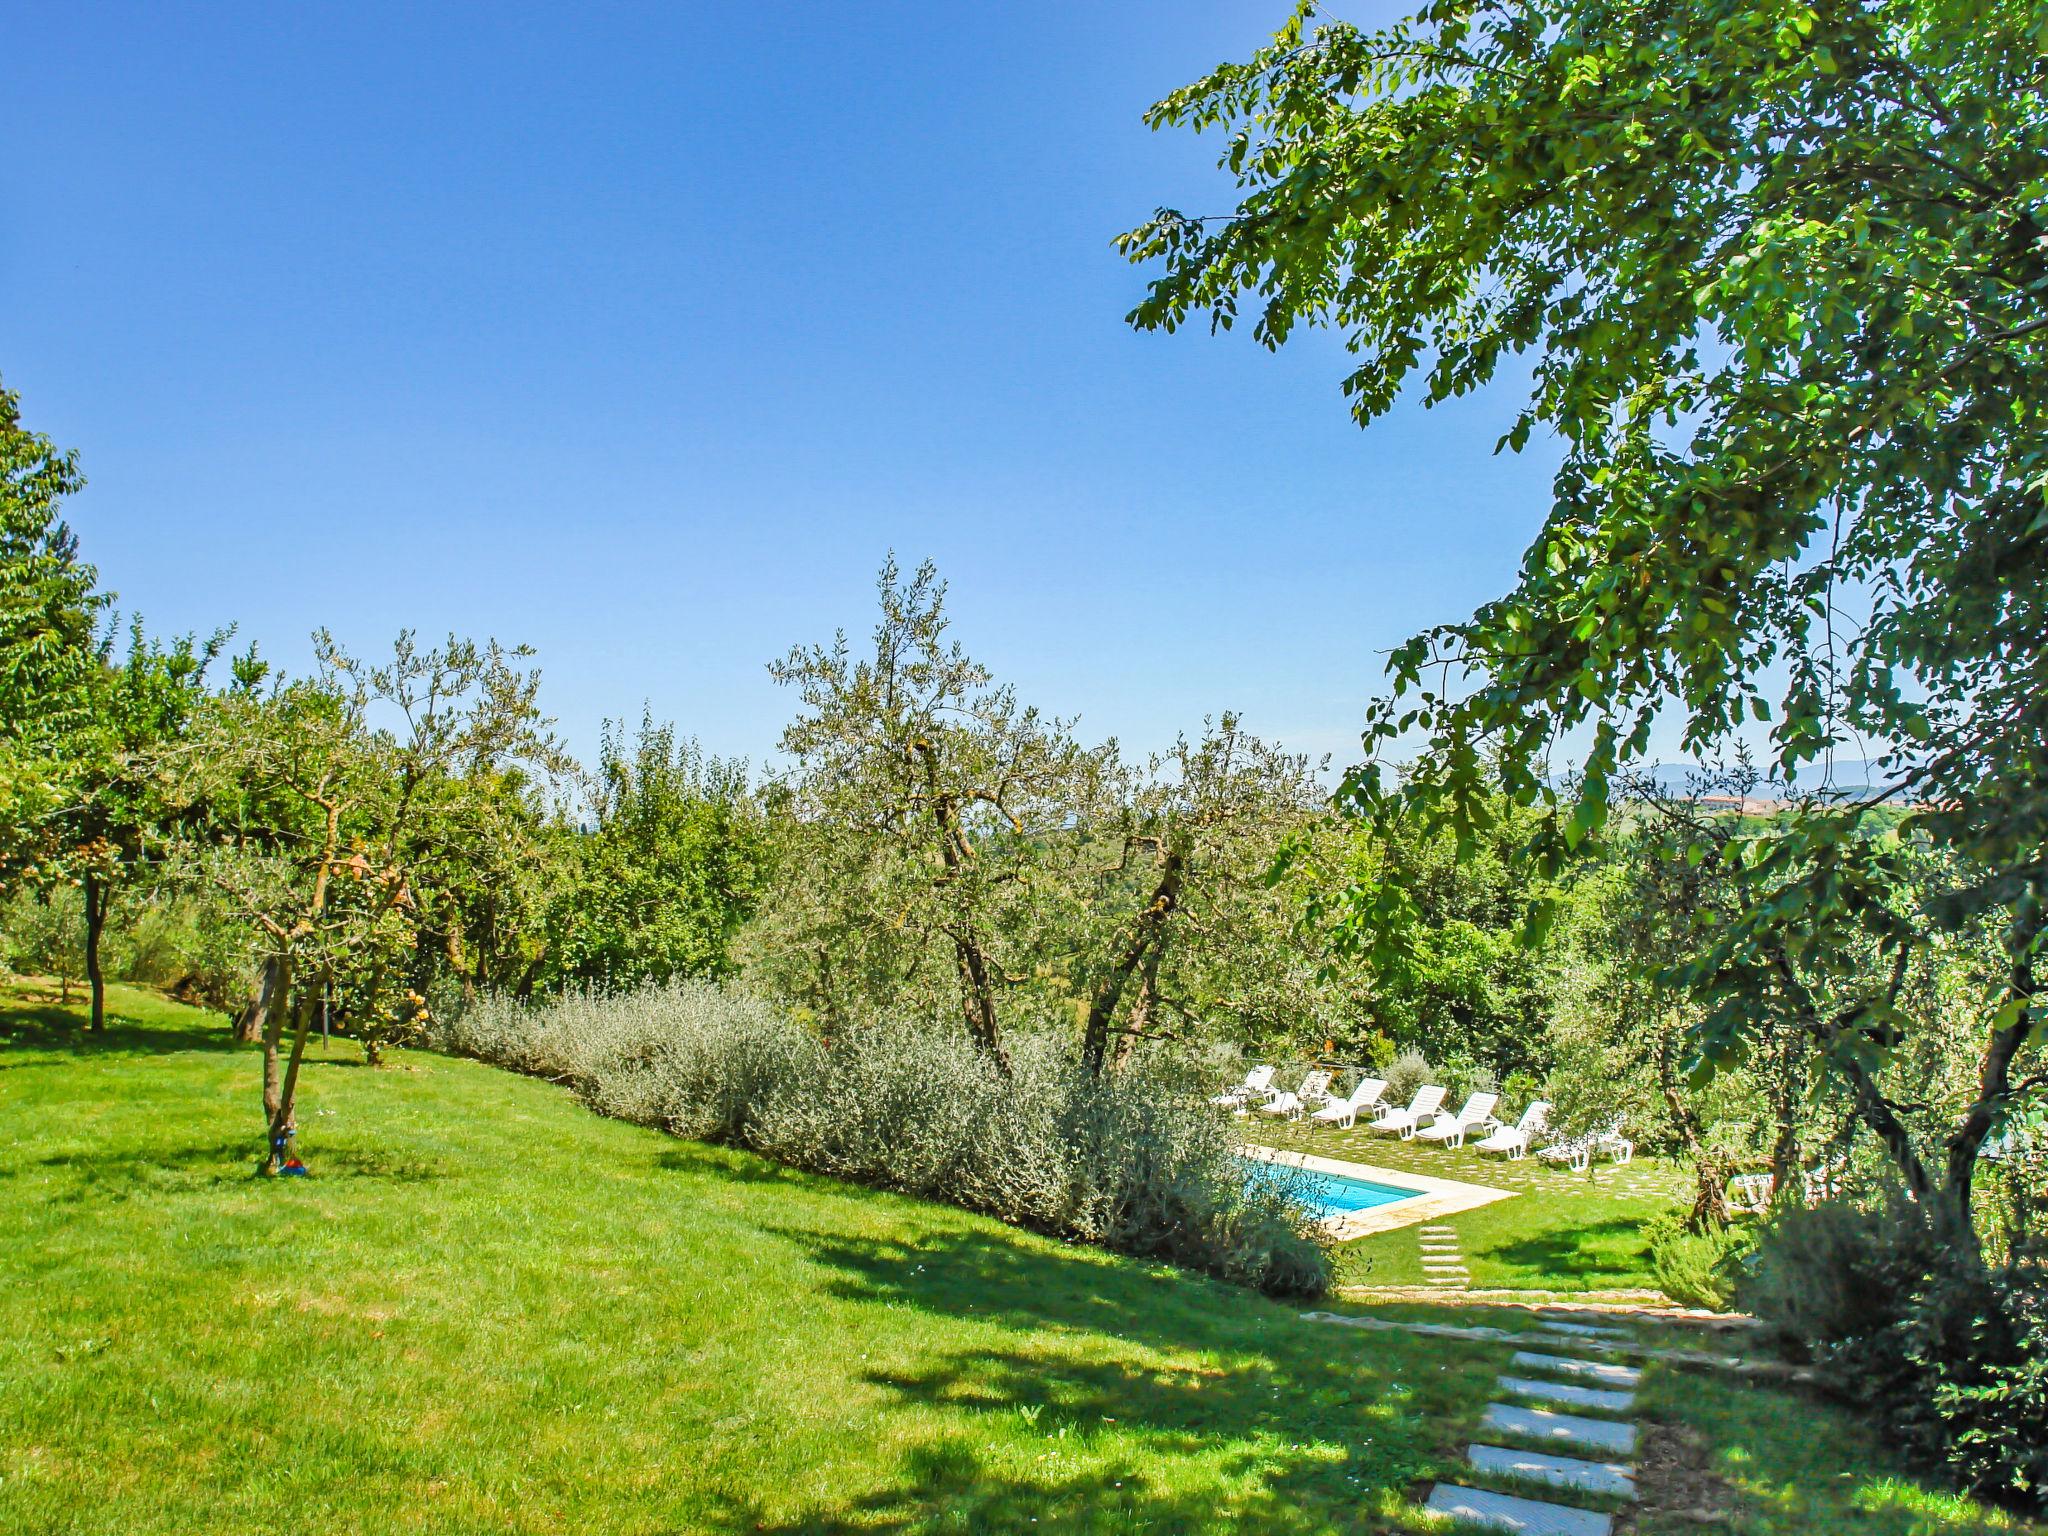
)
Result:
{"points": [[490, 1310], [1563, 1232]]}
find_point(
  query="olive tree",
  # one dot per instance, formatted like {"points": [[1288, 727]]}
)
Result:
{"points": [[926, 797], [1199, 830]]}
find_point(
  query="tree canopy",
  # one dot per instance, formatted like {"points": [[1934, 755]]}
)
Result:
{"points": [[49, 607], [1776, 271]]}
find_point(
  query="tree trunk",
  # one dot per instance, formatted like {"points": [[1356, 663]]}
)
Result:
{"points": [[977, 977], [1785, 1110], [254, 1019], [1147, 931], [284, 1116], [98, 892], [1994, 1080], [1710, 1192], [1143, 1006], [978, 999], [273, 1033]]}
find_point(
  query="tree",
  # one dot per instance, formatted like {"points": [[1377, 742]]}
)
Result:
{"points": [[115, 823], [1437, 932], [49, 607], [1203, 824], [45, 932], [936, 793], [672, 868], [1780, 269], [337, 813]]}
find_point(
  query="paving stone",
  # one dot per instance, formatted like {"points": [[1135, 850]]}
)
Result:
{"points": [[1586, 1330], [1591, 1370], [1557, 1471], [1596, 1398], [1562, 1428], [1525, 1517]]}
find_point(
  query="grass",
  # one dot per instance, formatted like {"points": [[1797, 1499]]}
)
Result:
{"points": [[1563, 1232], [490, 1310]]}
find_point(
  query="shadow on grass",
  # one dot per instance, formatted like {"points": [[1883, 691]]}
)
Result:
{"points": [[1571, 1250], [725, 1163], [112, 1176], [50, 1026], [1271, 1424], [947, 1486]]}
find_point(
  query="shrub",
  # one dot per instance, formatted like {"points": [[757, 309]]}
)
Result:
{"points": [[184, 945], [1949, 1354], [1406, 1073], [1824, 1275], [1135, 1161], [44, 934], [1699, 1268]]}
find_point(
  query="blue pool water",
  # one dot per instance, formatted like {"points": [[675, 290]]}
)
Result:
{"points": [[1336, 1192]]}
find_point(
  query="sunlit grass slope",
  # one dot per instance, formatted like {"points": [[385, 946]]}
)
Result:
{"points": [[490, 1310]]}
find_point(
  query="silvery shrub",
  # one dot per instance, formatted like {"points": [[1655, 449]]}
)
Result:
{"points": [[1136, 1161]]}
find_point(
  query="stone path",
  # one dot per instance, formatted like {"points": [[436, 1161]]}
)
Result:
{"points": [[1547, 1426], [1581, 1451], [1443, 1267], [1760, 1366]]}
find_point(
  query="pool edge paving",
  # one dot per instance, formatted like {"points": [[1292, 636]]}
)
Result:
{"points": [[1434, 1198]]}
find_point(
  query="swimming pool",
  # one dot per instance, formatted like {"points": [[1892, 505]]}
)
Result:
{"points": [[1333, 1193]]}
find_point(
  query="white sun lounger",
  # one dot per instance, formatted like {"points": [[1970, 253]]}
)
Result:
{"points": [[1313, 1090], [1451, 1129], [1257, 1084], [1579, 1151], [1407, 1121], [1756, 1191], [1343, 1113], [1513, 1140]]}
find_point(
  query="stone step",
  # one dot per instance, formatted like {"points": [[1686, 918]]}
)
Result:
{"points": [[1590, 1370], [1595, 1398], [1557, 1471], [1525, 1517], [1546, 1424], [1555, 1324]]}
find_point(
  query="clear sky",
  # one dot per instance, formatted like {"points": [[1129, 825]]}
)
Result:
{"points": [[640, 333]]}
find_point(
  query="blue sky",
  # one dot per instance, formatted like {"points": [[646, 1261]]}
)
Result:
{"points": [[640, 333]]}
